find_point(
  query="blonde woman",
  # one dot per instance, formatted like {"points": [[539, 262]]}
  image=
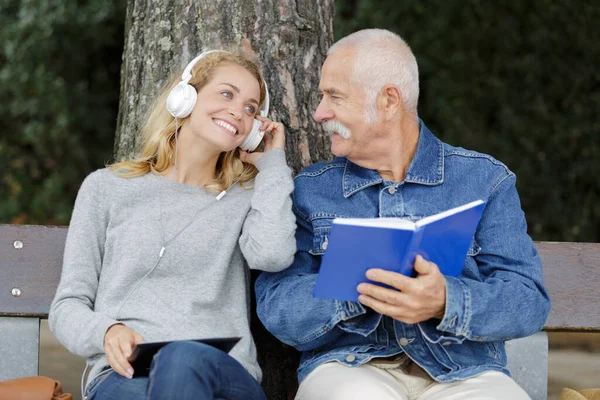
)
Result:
{"points": [[156, 245]]}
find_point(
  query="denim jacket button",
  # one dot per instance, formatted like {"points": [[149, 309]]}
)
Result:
{"points": [[404, 341], [350, 358], [325, 243], [392, 190]]}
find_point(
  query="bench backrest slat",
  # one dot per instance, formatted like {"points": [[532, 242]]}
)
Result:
{"points": [[571, 274], [34, 269]]}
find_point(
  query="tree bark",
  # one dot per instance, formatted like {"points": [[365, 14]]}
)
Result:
{"points": [[290, 38]]}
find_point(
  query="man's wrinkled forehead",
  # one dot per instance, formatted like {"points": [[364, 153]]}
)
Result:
{"points": [[336, 73]]}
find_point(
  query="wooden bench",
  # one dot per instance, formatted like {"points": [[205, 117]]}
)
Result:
{"points": [[30, 265]]}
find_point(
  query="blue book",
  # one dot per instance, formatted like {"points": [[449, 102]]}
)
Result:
{"points": [[359, 244]]}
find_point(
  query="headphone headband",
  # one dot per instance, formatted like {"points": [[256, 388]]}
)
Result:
{"points": [[187, 72], [187, 75]]}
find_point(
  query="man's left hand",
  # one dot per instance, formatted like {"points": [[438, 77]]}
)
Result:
{"points": [[415, 300]]}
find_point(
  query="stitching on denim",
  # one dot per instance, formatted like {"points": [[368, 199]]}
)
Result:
{"points": [[297, 211], [499, 182], [320, 171], [432, 347], [357, 188], [481, 156], [323, 215], [350, 190], [467, 304], [442, 164], [465, 371], [322, 331], [440, 169], [456, 365]]}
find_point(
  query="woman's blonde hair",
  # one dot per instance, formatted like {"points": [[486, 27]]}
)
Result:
{"points": [[159, 130]]}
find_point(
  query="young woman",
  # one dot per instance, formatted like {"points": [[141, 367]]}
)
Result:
{"points": [[156, 245]]}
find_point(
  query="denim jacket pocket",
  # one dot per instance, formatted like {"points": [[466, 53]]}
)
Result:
{"points": [[363, 325], [433, 335], [321, 228], [438, 345]]}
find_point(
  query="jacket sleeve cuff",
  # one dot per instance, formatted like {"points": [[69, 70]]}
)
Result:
{"points": [[457, 315]]}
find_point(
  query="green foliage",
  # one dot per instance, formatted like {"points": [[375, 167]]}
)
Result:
{"points": [[518, 80], [59, 83]]}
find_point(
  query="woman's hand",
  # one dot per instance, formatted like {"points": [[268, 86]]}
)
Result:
{"points": [[119, 341], [274, 139]]}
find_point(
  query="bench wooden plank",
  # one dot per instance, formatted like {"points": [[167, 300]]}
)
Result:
{"points": [[34, 269], [571, 274]]}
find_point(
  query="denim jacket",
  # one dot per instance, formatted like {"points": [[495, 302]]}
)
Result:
{"points": [[499, 296]]}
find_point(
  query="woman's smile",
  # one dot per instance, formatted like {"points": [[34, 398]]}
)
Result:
{"points": [[229, 128]]}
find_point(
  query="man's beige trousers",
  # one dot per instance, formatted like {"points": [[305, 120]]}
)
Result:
{"points": [[401, 380]]}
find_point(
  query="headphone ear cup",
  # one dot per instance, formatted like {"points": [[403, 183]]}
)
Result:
{"points": [[254, 137], [181, 100]]}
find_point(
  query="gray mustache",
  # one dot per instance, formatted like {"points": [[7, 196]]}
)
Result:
{"points": [[335, 126]]}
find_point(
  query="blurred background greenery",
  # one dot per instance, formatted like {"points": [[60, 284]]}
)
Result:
{"points": [[517, 79], [59, 85]]}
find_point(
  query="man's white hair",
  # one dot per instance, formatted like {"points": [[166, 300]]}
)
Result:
{"points": [[382, 58]]}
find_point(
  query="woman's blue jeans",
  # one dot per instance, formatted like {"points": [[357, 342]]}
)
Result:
{"points": [[182, 370]]}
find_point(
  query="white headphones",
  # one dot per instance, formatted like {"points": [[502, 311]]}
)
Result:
{"points": [[182, 99]]}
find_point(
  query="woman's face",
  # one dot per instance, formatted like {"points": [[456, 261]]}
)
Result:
{"points": [[226, 107]]}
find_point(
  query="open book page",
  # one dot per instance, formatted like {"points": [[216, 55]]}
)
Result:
{"points": [[444, 214], [393, 223]]}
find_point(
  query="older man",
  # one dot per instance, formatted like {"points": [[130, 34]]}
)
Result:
{"points": [[427, 337]]}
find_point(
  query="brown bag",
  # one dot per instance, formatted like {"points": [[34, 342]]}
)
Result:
{"points": [[33, 388], [588, 394]]}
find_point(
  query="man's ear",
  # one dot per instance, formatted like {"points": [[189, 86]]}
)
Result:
{"points": [[391, 102]]}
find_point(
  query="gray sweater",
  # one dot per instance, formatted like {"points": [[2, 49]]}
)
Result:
{"points": [[199, 288]]}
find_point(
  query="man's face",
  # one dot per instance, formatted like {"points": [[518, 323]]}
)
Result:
{"points": [[342, 107]]}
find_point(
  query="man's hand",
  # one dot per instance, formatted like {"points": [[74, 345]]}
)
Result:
{"points": [[415, 300], [118, 343]]}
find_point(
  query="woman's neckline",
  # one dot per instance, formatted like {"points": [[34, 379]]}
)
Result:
{"points": [[179, 186]]}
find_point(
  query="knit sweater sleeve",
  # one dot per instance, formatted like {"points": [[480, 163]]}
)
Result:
{"points": [[72, 317], [268, 236]]}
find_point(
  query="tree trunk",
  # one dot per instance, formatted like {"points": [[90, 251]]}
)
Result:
{"points": [[290, 38]]}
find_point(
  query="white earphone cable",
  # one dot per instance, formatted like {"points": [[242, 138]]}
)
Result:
{"points": [[165, 242]]}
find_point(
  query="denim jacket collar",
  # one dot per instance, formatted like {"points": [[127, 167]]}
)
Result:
{"points": [[426, 168]]}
